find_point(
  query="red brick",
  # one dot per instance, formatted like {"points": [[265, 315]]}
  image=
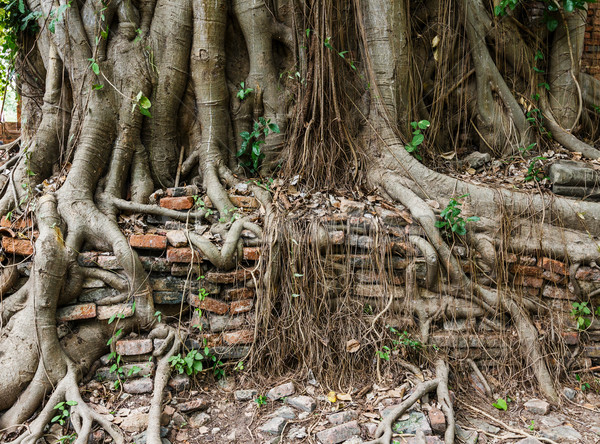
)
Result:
{"points": [[16, 224], [554, 277], [177, 203], [21, 247], [554, 266], [550, 291], [182, 255], [212, 339], [238, 294], [209, 304], [75, 312], [587, 274], [527, 270], [148, 241], [529, 281], [437, 420], [239, 275], [243, 306], [133, 347], [251, 253], [239, 337], [570, 337], [531, 291]]}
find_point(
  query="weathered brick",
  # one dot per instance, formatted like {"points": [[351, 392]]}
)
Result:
{"points": [[337, 237], [16, 224], [219, 323], [148, 241], [97, 294], [108, 262], [241, 306], [437, 420], [239, 337], [550, 291], [156, 264], [244, 201], [132, 347], [130, 371], [527, 270], [169, 283], [138, 386], [75, 312], [189, 190], [554, 266], [208, 304], [554, 277], [592, 351], [531, 291], [104, 312], [167, 297], [587, 274], [238, 294], [529, 281], [251, 253], [570, 337], [281, 391], [527, 260], [88, 259], [177, 203], [238, 275], [21, 247], [211, 339], [192, 406], [183, 269], [182, 255], [177, 238]]}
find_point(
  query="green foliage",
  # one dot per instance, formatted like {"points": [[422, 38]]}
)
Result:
{"points": [[451, 219], [384, 353], [191, 364], [142, 103], [502, 404], [418, 138], [250, 153], [535, 169], [68, 438], [551, 7], [261, 400], [62, 413], [581, 313], [243, 92], [582, 385]]}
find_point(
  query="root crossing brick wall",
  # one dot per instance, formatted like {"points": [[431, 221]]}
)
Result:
{"points": [[591, 50]]}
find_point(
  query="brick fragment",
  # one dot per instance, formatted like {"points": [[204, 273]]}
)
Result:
{"points": [[167, 297], [209, 304], [104, 312], [148, 241], [239, 275], [177, 238], [340, 433], [20, 247], [133, 347], [251, 253], [550, 291], [239, 337], [529, 281], [527, 270], [242, 306], [238, 294], [108, 262], [192, 406], [182, 255], [570, 337], [588, 274], [156, 264], [437, 420], [177, 203], [15, 224], [75, 312], [244, 201], [554, 266]]}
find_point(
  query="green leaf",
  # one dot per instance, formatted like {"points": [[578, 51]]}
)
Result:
{"points": [[71, 403], [274, 127], [95, 68], [417, 139], [21, 6], [424, 124], [59, 405], [501, 404], [144, 102], [569, 5], [96, 87], [552, 24], [144, 111]]}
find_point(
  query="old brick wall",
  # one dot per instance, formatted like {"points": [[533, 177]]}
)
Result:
{"points": [[591, 51], [219, 306]]}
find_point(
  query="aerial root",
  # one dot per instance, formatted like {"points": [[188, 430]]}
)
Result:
{"points": [[81, 415], [385, 430], [170, 346]]}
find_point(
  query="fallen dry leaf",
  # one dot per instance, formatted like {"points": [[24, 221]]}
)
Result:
{"points": [[352, 346]]}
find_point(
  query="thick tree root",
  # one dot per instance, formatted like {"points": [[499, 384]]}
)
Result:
{"points": [[384, 431]]}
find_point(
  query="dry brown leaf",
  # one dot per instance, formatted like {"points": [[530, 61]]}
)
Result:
{"points": [[344, 397], [352, 346]]}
